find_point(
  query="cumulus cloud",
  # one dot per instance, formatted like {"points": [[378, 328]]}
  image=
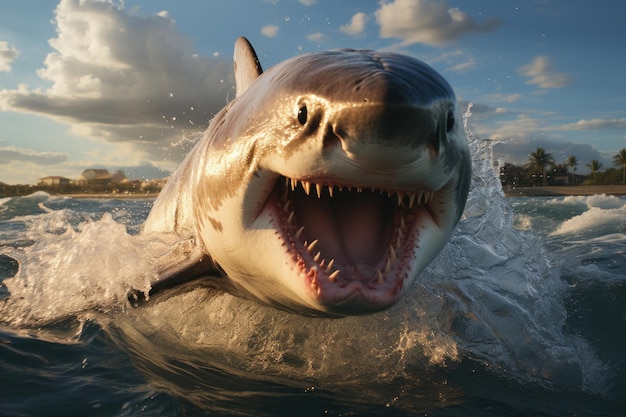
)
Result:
{"points": [[124, 78], [308, 2], [430, 22], [516, 127], [12, 154], [270, 31], [8, 54], [541, 73], [356, 27]]}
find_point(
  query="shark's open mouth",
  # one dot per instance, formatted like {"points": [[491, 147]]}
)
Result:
{"points": [[351, 241], [325, 187]]}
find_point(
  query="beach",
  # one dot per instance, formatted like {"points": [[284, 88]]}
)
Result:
{"points": [[121, 196]]}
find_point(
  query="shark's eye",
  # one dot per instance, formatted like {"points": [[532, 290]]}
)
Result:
{"points": [[450, 121], [302, 115]]}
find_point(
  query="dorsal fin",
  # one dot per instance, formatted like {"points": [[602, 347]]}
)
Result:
{"points": [[247, 65]]}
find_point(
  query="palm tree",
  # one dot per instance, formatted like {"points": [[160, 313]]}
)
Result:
{"points": [[572, 162], [620, 160], [594, 166], [538, 162]]}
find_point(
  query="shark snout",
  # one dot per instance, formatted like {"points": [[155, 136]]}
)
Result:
{"points": [[384, 139]]}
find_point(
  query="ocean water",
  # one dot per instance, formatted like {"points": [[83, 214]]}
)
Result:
{"points": [[522, 314]]}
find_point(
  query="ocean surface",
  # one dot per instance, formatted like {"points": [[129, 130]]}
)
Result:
{"points": [[522, 314]]}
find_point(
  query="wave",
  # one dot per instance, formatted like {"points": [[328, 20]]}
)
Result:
{"points": [[11, 207], [490, 297], [603, 217], [4, 200], [603, 201]]}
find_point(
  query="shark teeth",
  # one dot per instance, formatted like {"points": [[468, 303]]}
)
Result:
{"points": [[410, 199], [407, 201]]}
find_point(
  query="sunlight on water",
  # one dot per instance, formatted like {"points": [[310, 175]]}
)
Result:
{"points": [[490, 297]]}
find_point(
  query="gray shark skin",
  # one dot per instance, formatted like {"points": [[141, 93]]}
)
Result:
{"points": [[324, 188]]}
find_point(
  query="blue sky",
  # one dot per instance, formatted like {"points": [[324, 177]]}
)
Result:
{"points": [[106, 83]]}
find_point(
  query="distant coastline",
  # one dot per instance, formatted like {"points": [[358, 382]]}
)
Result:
{"points": [[112, 196], [547, 191], [555, 190]]}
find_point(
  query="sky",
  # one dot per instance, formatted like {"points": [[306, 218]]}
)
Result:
{"points": [[132, 84]]}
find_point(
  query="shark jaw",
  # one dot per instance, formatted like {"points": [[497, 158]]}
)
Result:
{"points": [[324, 188], [352, 249]]}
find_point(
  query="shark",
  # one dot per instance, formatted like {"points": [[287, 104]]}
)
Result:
{"points": [[323, 188]]}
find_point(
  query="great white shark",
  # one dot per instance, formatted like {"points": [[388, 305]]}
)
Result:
{"points": [[324, 187]]}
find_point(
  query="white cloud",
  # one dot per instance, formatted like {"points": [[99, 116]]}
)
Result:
{"points": [[509, 98], [11, 154], [308, 3], [455, 60], [482, 111], [356, 27], [270, 31], [430, 22], [124, 78], [8, 54], [523, 126], [463, 67], [541, 73], [594, 124], [316, 37], [512, 98]]}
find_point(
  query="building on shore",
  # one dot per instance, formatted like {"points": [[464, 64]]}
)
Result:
{"points": [[53, 181], [154, 184], [94, 176]]}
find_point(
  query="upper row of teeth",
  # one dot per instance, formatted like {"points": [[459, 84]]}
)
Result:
{"points": [[307, 186]]}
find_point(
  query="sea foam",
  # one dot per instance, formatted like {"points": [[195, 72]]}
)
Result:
{"points": [[491, 297]]}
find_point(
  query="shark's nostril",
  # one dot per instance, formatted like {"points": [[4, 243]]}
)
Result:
{"points": [[331, 138], [434, 145]]}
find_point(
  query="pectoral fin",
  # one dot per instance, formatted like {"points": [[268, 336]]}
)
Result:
{"points": [[185, 265]]}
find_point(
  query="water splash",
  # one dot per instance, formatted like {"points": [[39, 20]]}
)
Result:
{"points": [[490, 297], [72, 264]]}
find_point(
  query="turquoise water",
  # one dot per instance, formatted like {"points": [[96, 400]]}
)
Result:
{"points": [[522, 314]]}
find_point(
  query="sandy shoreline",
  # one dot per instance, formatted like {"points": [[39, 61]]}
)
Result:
{"points": [[565, 190]]}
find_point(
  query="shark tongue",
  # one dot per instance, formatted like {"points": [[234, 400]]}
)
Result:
{"points": [[354, 228], [364, 225]]}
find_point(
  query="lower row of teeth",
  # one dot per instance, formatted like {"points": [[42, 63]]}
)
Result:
{"points": [[328, 267]]}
